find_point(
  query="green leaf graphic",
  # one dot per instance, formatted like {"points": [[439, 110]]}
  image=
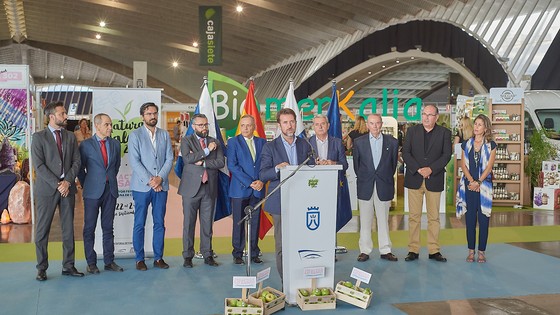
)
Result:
{"points": [[209, 13], [127, 107]]}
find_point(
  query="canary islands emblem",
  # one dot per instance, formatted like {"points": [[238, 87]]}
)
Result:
{"points": [[313, 218]]}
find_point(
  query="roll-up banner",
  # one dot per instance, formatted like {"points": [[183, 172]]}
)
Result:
{"points": [[210, 34]]}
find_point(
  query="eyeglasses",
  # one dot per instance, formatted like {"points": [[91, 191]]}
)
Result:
{"points": [[202, 125], [429, 115]]}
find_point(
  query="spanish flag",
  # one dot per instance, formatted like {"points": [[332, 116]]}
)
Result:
{"points": [[251, 108]]}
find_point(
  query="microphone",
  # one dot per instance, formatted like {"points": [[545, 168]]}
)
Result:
{"points": [[313, 155]]}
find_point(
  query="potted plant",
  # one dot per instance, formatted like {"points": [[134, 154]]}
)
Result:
{"points": [[540, 150]]}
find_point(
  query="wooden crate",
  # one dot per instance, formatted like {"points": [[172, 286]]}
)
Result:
{"points": [[352, 296], [273, 306], [232, 310], [311, 303]]}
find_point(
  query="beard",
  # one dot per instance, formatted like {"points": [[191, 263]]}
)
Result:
{"points": [[152, 122], [202, 134], [61, 123]]}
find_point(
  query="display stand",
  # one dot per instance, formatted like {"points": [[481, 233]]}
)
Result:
{"points": [[308, 225]]}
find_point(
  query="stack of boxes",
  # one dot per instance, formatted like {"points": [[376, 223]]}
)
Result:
{"points": [[547, 195]]}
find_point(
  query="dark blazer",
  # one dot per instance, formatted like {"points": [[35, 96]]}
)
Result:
{"points": [[273, 153], [93, 171], [191, 178], [46, 161], [437, 157], [335, 151], [368, 175], [243, 169]]}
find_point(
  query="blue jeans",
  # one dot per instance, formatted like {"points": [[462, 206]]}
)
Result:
{"points": [[142, 200]]}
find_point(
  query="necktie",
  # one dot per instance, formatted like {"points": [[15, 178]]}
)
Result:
{"points": [[104, 153], [251, 148], [205, 175], [59, 145]]}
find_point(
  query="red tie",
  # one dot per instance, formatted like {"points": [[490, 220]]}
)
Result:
{"points": [[104, 152], [205, 175], [59, 145]]}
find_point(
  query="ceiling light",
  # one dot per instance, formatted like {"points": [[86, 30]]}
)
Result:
{"points": [[397, 61], [175, 64], [412, 58], [369, 72], [62, 76], [342, 88], [355, 80], [383, 66], [239, 8], [102, 23], [195, 44], [98, 36]]}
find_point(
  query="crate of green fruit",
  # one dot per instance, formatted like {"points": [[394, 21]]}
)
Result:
{"points": [[309, 299], [235, 306], [353, 294], [272, 299]]}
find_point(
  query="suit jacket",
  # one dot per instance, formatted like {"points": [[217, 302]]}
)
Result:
{"points": [[93, 170], [335, 151], [147, 162], [191, 178], [273, 153], [437, 156], [243, 169], [46, 161], [382, 176]]}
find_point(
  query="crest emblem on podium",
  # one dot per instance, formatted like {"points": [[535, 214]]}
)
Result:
{"points": [[313, 218]]}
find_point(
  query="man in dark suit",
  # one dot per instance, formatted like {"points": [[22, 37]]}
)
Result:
{"points": [[56, 161], [151, 159], [426, 151], [101, 159], [244, 161], [287, 149], [375, 162], [203, 157]]}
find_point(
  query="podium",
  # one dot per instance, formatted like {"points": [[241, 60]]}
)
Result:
{"points": [[309, 202]]}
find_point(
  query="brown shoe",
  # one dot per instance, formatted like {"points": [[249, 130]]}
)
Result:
{"points": [[363, 257], [141, 265], [389, 257], [210, 261], [161, 264]]}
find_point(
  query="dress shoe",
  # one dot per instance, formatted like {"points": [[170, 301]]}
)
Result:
{"points": [[389, 257], [113, 267], [188, 263], [238, 261], [411, 256], [72, 271], [92, 269], [161, 264], [363, 257], [210, 261], [437, 256], [41, 275], [256, 260], [141, 265]]}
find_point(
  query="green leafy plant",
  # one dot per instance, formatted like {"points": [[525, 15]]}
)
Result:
{"points": [[541, 150]]}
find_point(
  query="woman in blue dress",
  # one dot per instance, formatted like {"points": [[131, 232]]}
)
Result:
{"points": [[474, 197]]}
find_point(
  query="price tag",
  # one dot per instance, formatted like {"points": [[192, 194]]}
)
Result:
{"points": [[263, 275], [244, 282], [313, 272], [360, 275]]}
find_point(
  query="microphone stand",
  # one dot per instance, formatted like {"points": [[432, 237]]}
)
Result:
{"points": [[249, 210]]}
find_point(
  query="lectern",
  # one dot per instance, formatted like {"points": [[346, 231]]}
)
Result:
{"points": [[309, 202]]}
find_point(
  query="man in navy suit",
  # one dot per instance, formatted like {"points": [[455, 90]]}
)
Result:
{"points": [[375, 162], [244, 161], [287, 149], [101, 159], [426, 151], [203, 157], [151, 159]]}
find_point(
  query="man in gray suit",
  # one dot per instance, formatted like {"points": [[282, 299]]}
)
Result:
{"points": [[203, 157], [151, 159], [56, 161], [375, 162]]}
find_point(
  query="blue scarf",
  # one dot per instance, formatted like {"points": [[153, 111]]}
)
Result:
{"points": [[485, 185]]}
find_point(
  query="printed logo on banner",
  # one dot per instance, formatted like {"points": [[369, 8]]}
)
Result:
{"points": [[313, 218], [313, 182], [507, 95], [309, 254]]}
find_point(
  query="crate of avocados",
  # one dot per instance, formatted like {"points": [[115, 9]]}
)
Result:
{"points": [[353, 294], [272, 299], [234, 306], [310, 299]]}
